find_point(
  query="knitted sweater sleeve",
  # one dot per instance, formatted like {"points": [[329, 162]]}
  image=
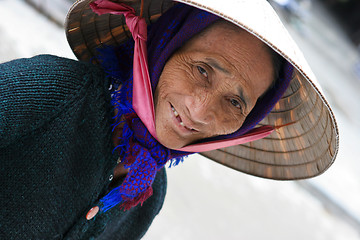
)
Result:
{"points": [[34, 90]]}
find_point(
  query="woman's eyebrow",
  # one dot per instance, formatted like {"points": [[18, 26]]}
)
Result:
{"points": [[244, 98], [213, 63]]}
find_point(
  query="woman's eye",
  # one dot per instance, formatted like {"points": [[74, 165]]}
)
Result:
{"points": [[235, 103], [202, 71]]}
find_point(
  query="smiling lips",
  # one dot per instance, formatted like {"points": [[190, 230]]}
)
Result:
{"points": [[176, 114]]}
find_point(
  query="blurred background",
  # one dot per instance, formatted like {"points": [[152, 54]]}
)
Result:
{"points": [[208, 201]]}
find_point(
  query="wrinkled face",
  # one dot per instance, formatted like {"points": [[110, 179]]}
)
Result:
{"points": [[209, 86]]}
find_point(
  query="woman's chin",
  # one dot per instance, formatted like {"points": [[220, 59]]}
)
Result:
{"points": [[171, 145], [169, 141]]}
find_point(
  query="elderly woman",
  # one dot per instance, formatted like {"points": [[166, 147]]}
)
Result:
{"points": [[80, 141]]}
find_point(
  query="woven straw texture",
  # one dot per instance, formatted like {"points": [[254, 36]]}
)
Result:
{"points": [[87, 31], [304, 148]]}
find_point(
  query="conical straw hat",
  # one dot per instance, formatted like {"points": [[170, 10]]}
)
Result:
{"points": [[304, 148]]}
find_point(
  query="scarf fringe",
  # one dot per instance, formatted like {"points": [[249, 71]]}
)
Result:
{"points": [[114, 198], [176, 161], [141, 198], [111, 199]]}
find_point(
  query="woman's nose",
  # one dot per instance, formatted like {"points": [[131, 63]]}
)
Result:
{"points": [[202, 108]]}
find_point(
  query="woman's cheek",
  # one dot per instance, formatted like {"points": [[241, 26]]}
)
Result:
{"points": [[231, 122]]}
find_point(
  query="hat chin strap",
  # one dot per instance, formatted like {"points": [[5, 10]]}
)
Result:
{"points": [[142, 101], [252, 135]]}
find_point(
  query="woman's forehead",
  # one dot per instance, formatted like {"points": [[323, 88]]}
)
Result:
{"points": [[232, 51]]}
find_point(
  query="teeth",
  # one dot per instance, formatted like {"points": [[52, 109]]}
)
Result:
{"points": [[176, 115], [175, 112]]}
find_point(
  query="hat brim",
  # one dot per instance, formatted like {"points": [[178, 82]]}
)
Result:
{"points": [[308, 143]]}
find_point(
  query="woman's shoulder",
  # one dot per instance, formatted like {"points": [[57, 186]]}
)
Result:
{"points": [[33, 90], [43, 71], [46, 80], [44, 68]]}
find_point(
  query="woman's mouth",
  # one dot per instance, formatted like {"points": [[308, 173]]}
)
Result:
{"points": [[177, 116]]}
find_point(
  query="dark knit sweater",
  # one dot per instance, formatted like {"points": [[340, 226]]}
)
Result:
{"points": [[56, 154]]}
